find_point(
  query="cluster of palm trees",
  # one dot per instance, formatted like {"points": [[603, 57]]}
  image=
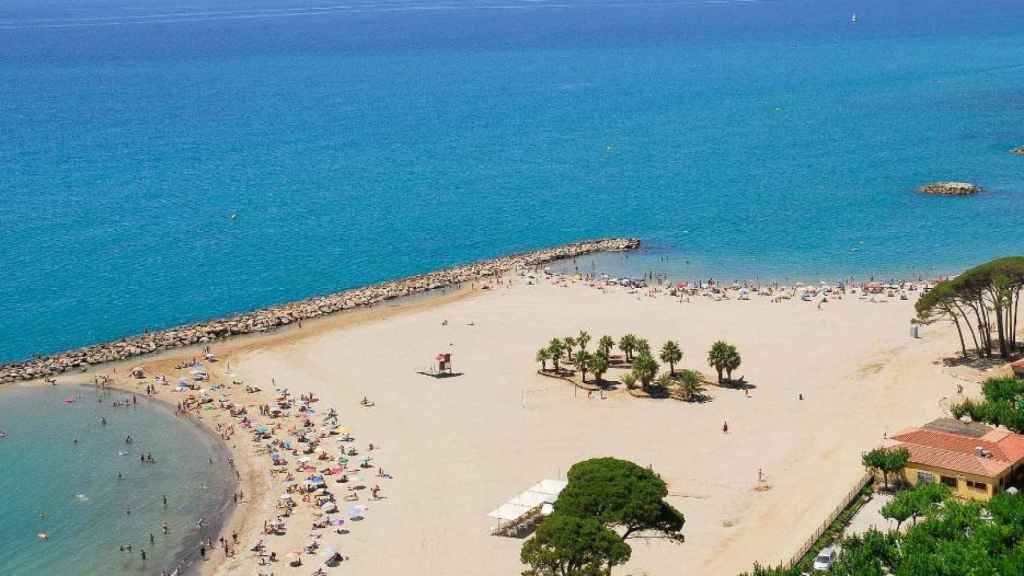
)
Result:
{"points": [[724, 357], [644, 368], [574, 349]]}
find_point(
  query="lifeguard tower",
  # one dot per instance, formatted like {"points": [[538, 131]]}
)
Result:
{"points": [[441, 368], [444, 364]]}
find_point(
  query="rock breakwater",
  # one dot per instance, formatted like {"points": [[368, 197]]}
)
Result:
{"points": [[277, 316]]}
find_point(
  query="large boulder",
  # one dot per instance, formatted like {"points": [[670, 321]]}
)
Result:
{"points": [[951, 188]]}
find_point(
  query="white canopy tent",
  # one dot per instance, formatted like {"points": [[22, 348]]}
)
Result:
{"points": [[541, 495]]}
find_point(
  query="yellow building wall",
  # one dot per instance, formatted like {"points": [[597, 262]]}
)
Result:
{"points": [[962, 490]]}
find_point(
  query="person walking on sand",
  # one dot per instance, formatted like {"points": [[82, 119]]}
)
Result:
{"points": [[725, 427]]}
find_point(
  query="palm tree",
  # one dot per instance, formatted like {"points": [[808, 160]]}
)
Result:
{"points": [[664, 380], [570, 343], [643, 347], [718, 357], [583, 338], [582, 363], [645, 368], [670, 354], [555, 348], [689, 384], [598, 365], [628, 344], [732, 361], [629, 380], [605, 344], [543, 355]]}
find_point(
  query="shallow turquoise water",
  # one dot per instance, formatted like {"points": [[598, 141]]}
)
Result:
{"points": [[372, 140], [76, 485]]}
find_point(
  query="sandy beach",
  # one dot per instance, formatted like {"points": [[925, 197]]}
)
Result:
{"points": [[457, 448]]}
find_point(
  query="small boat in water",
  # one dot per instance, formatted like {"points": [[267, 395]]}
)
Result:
{"points": [[69, 400], [3, 434], [853, 19]]}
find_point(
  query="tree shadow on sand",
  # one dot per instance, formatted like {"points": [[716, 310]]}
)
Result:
{"points": [[606, 385], [740, 383], [974, 362]]}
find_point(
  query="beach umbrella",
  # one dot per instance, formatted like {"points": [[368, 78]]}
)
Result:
{"points": [[304, 459], [286, 496], [355, 510], [329, 507], [328, 551]]}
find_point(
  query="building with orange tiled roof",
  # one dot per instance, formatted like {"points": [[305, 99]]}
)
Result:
{"points": [[976, 461]]}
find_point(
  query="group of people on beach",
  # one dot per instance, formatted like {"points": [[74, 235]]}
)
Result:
{"points": [[284, 426], [288, 429]]}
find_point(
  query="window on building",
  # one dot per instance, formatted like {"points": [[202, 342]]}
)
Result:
{"points": [[949, 481], [925, 478], [977, 485]]}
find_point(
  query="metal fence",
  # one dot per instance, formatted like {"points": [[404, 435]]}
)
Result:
{"points": [[849, 498]]}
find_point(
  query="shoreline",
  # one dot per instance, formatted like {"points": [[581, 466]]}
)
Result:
{"points": [[186, 559], [653, 261], [243, 516], [270, 318]]}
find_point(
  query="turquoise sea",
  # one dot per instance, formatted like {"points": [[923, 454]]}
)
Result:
{"points": [[365, 140], [71, 491], [167, 161]]}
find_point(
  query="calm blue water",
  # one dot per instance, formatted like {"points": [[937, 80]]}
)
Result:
{"points": [[373, 139], [86, 505]]}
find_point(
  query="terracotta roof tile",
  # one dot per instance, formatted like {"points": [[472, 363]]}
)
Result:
{"points": [[958, 452]]}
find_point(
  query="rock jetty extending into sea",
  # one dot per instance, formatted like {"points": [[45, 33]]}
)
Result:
{"points": [[285, 314], [951, 188]]}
